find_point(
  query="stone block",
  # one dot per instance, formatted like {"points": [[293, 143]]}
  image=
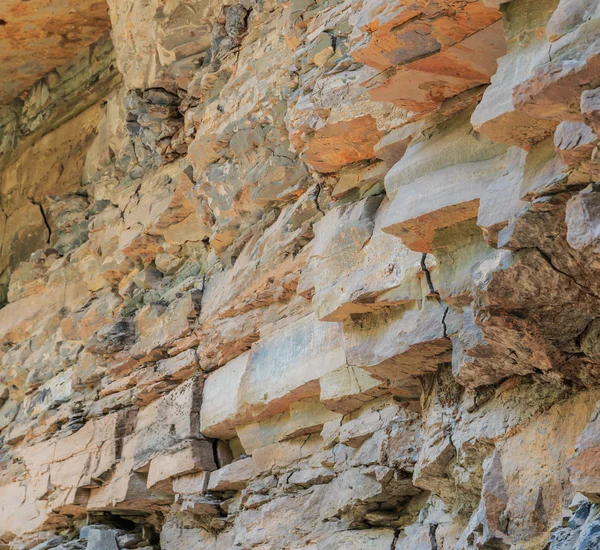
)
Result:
{"points": [[499, 116], [367, 539], [286, 366], [187, 458], [101, 539], [190, 484], [282, 454], [158, 327], [308, 478], [170, 420], [348, 388], [399, 343], [233, 477], [352, 262], [356, 431], [425, 64], [583, 220], [221, 399]]}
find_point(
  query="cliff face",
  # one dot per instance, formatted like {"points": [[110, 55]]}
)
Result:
{"points": [[311, 275]]}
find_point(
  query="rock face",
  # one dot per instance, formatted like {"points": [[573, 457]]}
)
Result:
{"points": [[302, 275], [38, 36]]}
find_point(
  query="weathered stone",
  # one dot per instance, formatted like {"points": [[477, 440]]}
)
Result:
{"points": [[191, 457], [370, 539], [499, 116], [168, 421], [158, 326], [308, 478], [351, 236], [101, 539], [590, 107], [546, 483], [582, 219], [501, 200], [182, 532], [554, 89], [25, 60], [433, 60], [206, 245], [452, 169], [233, 477], [191, 483], [348, 388], [220, 412], [286, 366], [400, 343], [305, 417], [355, 432], [417, 537]]}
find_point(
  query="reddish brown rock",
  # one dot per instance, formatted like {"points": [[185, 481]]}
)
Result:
{"points": [[37, 38]]}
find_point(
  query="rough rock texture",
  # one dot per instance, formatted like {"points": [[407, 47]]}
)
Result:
{"points": [[38, 35], [302, 275]]}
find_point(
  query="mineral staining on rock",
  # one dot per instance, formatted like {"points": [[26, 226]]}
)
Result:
{"points": [[312, 275]]}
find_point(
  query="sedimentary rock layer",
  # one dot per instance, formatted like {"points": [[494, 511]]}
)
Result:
{"points": [[311, 275]]}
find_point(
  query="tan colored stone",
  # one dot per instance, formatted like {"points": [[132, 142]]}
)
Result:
{"points": [[356, 137], [355, 432], [351, 237], [348, 388], [233, 477], [191, 483], [266, 271], [439, 182], [424, 84], [416, 537], [255, 435], [368, 539], [582, 220], [430, 54], [499, 116], [221, 400], [305, 417], [308, 416], [400, 343], [54, 165], [546, 481], [164, 423], [590, 107], [161, 37], [308, 478], [554, 89], [158, 326], [501, 200], [18, 319], [188, 458], [282, 454], [286, 366], [359, 393], [581, 464]]}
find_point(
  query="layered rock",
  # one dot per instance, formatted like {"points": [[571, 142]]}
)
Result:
{"points": [[304, 275]]}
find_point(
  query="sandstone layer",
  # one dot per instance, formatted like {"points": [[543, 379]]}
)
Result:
{"points": [[302, 275]]}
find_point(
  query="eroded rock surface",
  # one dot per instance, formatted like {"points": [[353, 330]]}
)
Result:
{"points": [[311, 275], [38, 36]]}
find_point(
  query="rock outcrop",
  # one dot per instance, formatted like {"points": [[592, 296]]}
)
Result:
{"points": [[302, 275]]}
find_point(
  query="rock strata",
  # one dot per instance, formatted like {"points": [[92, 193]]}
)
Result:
{"points": [[302, 275]]}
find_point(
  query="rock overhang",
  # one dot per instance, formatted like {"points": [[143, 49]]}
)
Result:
{"points": [[37, 36]]}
